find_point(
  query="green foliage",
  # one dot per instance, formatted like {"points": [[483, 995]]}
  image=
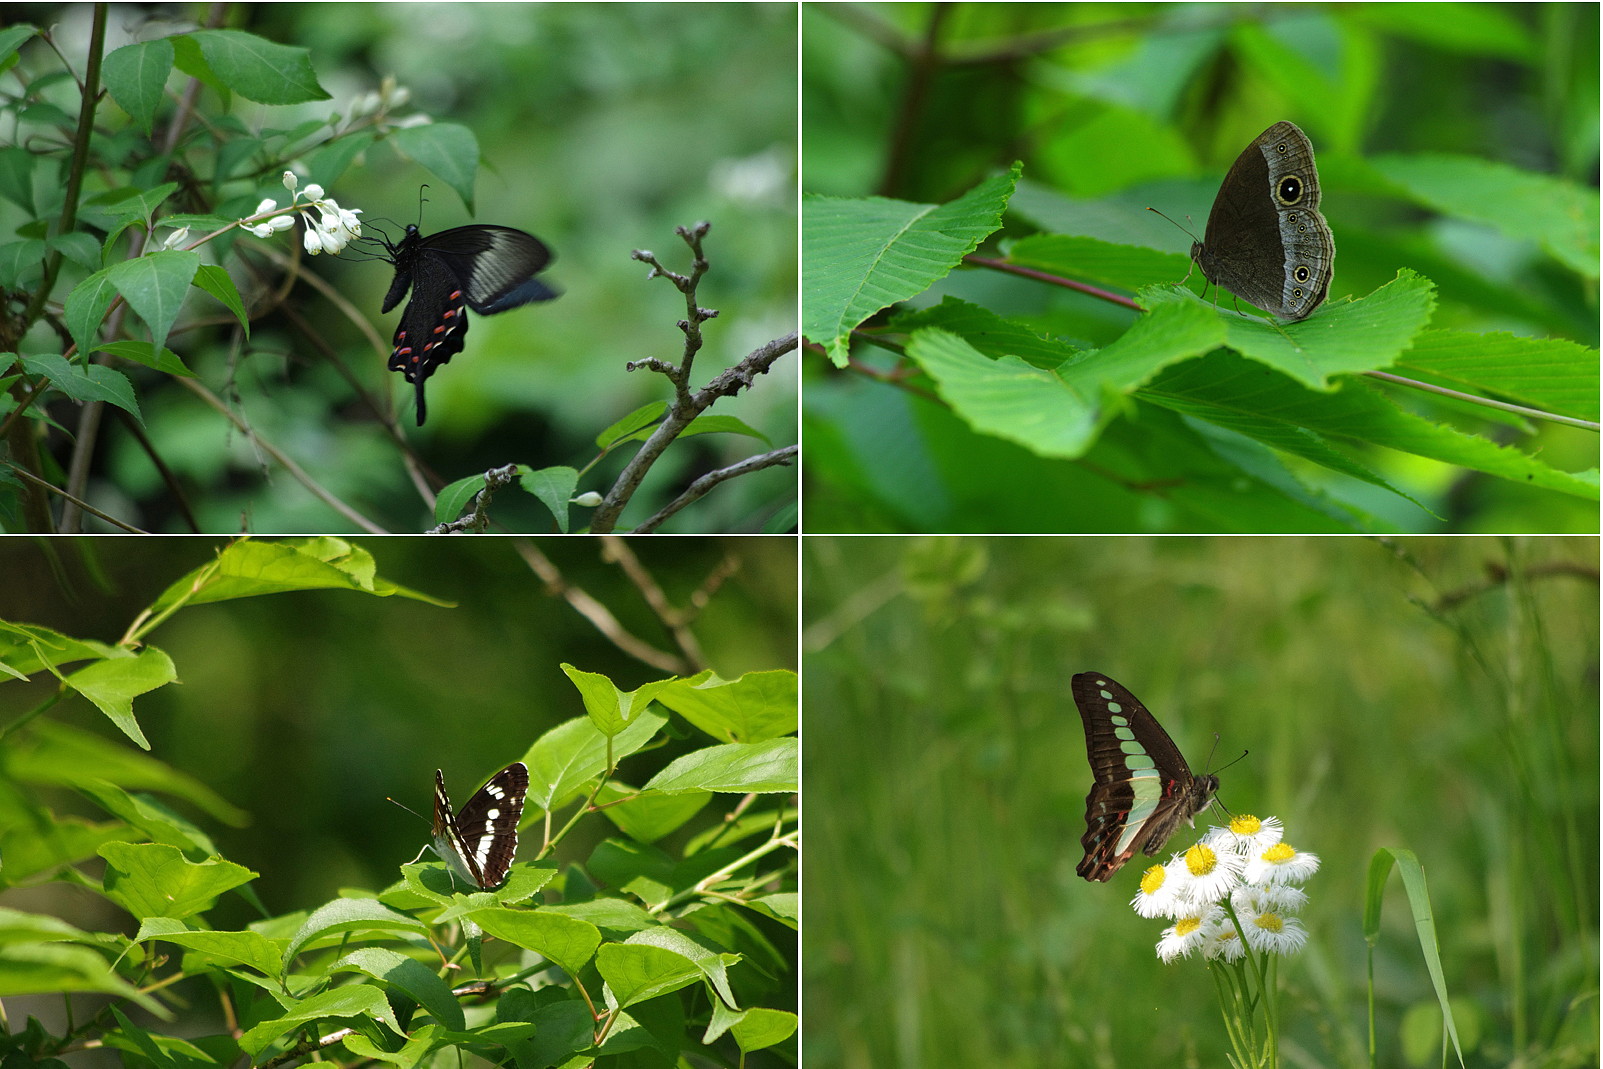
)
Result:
{"points": [[126, 199], [669, 941], [1019, 389]]}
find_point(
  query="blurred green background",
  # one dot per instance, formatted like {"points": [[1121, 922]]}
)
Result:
{"points": [[602, 127], [1438, 695], [1117, 107], [307, 709]]}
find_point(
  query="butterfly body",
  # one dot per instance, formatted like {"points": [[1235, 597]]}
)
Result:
{"points": [[486, 268], [1143, 787], [479, 842]]}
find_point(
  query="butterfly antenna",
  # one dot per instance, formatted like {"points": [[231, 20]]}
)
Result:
{"points": [[1186, 229], [409, 809], [421, 200], [1244, 753]]}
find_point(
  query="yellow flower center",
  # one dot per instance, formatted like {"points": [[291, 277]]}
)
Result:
{"points": [[1246, 824], [1279, 852], [1200, 860]]}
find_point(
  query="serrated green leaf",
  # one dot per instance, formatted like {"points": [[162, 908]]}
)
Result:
{"points": [[1548, 373], [135, 76], [216, 281], [258, 69], [1340, 338], [155, 287], [142, 352], [859, 256]]}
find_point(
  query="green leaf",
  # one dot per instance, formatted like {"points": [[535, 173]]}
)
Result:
{"points": [[349, 915], [155, 287], [142, 352], [646, 818], [135, 76], [637, 973], [713, 964], [113, 684], [79, 248], [627, 427], [411, 978], [22, 263], [735, 768], [1560, 214], [753, 708], [360, 1000], [148, 817], [569, 942], [859, 256], [447, 150], [1060, 413], [67, 756], [1340, 338], [35, 962], [714, 424], [251, 949], [1548, 373], [554, 488], [156, 880], [1413, 877], [454, 498], [86, 307], [761, 1027], [611, 709], [248, 569], [258, 69], [88, 382], [573, 753], [216, 281], [1221, 390]]}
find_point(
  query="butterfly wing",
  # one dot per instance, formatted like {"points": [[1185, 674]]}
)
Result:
{"points": [[434, 325], [1143, 787], [480, 843], [494, 265]]}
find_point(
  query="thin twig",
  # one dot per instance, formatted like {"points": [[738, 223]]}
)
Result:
{"points": [[289, 465], [685, 407], [617, 550], [598, 614], [701, 486]]}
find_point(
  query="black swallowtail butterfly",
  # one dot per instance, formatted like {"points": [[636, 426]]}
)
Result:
{"points": [[487, 268]]}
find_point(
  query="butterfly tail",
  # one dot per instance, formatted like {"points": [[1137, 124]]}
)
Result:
{"points": [[422, 409]]}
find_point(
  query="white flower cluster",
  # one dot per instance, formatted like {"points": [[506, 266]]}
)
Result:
{"points": [[1247, 865], [331, 231]]}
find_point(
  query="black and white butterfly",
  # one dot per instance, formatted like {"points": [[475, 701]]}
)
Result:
{"points": [[1143, 788], [479, 843], [486, 268]]}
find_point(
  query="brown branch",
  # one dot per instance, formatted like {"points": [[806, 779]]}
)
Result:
{"points": [[700, 488]]}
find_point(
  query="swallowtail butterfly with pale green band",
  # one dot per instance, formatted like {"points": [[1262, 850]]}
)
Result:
{"points": [[479, 842], [1143, 788]]}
